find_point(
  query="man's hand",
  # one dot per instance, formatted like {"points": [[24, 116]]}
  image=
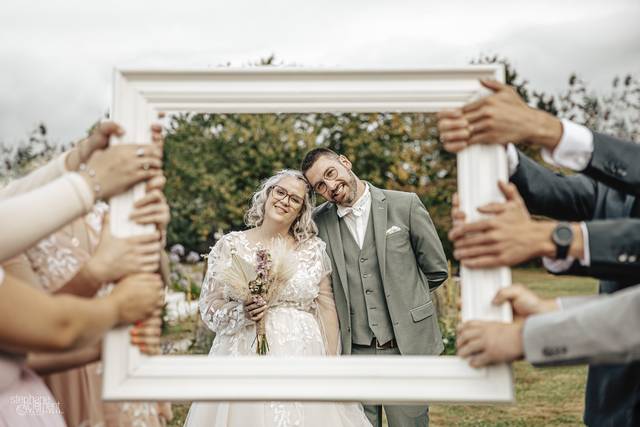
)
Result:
{"points": [[509, 237], [486, 343], [500, 118], [524, 302]]}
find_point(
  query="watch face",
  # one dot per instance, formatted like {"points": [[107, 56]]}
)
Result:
{"points": [[563, 235]]}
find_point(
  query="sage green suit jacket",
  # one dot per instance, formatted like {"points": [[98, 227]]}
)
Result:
{"points": [[412, 263]]}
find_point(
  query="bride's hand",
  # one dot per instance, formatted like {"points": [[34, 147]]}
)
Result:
{"points": [[255, 308]]}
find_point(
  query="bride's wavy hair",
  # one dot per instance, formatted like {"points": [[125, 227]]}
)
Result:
{"points": [[303, 228]]}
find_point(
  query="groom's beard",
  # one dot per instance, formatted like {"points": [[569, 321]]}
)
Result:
{"points": [[351, 190]]}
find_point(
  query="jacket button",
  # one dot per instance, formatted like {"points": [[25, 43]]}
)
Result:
{"points": [[622, 258], [365, 275], [368, 291], [632, 258], [363, 259], [554, 351]]}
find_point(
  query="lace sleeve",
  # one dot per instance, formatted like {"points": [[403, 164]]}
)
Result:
{"points": [[222, 315], [326, 313], [326, 264]]}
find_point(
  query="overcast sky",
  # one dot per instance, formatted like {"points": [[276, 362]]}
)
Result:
{"points": [[57, 57]]}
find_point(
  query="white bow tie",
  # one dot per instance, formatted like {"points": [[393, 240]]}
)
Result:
{"points": [[357, 211]]}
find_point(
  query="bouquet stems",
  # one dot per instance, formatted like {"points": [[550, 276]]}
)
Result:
{"points": [[262, 346]]}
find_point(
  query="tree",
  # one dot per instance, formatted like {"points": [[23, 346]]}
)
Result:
{"points": [[27, 155], [215, 162]]}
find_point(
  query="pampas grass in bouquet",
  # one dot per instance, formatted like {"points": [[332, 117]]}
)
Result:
{"points": [[273, 268]]}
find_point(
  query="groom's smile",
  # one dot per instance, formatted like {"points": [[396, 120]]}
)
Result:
{"points": [[332, 178], [338, 193]]}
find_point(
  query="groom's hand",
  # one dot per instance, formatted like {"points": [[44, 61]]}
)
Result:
{"points": [[486, 343], [506, 238]]}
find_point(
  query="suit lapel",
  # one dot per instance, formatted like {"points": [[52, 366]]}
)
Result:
{"points": [[628, 205], [379, 216], [335, 242]]}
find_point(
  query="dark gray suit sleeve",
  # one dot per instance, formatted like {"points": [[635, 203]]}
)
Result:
{"points": [[604, 330], [614, 250], [615, 163], [426, 244], [567, 198]]}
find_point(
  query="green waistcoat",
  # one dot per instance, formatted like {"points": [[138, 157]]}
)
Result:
{"points": [[369, 312]]}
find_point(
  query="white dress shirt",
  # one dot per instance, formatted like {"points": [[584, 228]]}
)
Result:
{"points": [[356, 217], [574, 151]]}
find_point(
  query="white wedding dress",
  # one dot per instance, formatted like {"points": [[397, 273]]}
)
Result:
{"points": [[302, 322]]}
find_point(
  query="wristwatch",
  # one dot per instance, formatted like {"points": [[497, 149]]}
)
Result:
{"points": [[562, 237]]}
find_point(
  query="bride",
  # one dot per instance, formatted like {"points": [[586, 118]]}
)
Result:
{"points": [[301, 322]]}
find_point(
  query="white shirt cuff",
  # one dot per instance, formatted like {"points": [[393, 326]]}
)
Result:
{"points": [[557, 265], [574, 150], [586, 254], [512, 159]]}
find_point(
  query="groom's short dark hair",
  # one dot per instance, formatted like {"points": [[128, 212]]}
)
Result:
{"points": [[312, 156]]}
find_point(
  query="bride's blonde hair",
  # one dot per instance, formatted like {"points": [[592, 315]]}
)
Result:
{"points": [[303, 228]]}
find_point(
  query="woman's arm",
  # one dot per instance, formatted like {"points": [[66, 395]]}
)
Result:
{"points": [[327, 316], [50, 363], [39, 177], [22, 219], [31, 320], [222, 316]]}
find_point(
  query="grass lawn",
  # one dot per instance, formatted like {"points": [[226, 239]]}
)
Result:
{"points": [[545, 397]]}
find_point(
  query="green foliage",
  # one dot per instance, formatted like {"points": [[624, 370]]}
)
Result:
{"points": [[26, 156], [214, 162], [448, 339]]}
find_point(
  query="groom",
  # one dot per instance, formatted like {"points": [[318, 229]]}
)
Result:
{"points": [[386, 259]]}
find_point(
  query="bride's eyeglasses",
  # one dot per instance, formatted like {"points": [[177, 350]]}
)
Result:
{"points": [[280, 193]]}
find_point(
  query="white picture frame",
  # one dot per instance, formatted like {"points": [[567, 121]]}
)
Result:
{"points": [[139, 94]]}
